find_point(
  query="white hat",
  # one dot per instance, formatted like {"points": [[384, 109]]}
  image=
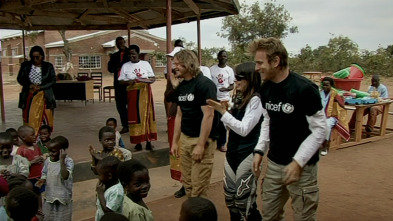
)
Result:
{"points": [[175, 50]]}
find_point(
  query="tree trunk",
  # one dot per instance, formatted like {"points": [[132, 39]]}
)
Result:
{"points": [[67, 52]]}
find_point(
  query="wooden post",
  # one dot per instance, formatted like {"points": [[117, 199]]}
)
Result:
{"points": [[129, 36], [24, 46], [2, 92], [168, 34], [199, 38]]}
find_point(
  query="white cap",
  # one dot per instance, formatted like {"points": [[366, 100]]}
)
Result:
{"points": [[175, 50]]}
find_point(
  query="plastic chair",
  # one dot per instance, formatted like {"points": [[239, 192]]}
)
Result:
{"points": [[97, 83], [108, 92]]}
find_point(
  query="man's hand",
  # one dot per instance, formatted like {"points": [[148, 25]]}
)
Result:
{"points": [[197, 153], [256, 164], [174, 81], [175, 150], [292, 172]]}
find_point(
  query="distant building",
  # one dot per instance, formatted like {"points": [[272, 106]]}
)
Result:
{"points": [[90, 50]]}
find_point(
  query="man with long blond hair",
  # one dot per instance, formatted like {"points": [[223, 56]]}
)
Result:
{"points": [[195, 124], [293, 130]]}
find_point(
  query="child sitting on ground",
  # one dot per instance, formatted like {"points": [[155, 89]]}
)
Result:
{"points": [[135, 179], [112, 122], [16, 142], [110, 193], [11, 164], [198, 209], [44, 134], [107, 138], [57, 175]]}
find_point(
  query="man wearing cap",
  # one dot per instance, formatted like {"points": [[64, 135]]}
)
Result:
{"points": [[171, 109]]}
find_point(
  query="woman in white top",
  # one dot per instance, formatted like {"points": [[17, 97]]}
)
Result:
{"points": [[244, 124], [138, 75]]}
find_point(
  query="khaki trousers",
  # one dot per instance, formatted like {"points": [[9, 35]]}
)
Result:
{"points": [[196, 175], [304, 193]]}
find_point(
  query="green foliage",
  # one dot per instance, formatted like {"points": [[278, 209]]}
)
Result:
{"points": [[255, 22], [341, 52]]}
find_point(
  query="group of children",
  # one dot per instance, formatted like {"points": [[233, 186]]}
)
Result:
{"points": [[36, 177], [29, 168]]}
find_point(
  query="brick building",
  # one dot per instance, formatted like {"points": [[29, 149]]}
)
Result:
{"points": [[90, 50]]}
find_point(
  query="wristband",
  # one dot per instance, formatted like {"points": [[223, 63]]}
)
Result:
{"points": [[260, 152]]}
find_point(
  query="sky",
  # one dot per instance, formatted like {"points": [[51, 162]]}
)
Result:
{"points": [[366, 22]]}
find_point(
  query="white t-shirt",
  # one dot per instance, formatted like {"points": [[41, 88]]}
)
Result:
{"points": [[222, 77], [139, 70], [206, 71]]}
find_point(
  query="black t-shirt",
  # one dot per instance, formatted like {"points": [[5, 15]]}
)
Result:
{"points": [[191, 96], [288, 103]]}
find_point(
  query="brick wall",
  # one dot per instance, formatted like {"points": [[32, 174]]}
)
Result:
{"points": [[88, 47]]}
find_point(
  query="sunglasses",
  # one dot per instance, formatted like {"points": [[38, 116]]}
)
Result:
{"points": [[240, 77]]}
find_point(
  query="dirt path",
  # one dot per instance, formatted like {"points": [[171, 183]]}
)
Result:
{"points": [[355, 185]]}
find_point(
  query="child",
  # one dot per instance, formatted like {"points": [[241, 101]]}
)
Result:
{"points": [[22, 204], [15, 138], [57, 175], [107, 138], [30, 151], [14, 181], [198, 209], [112, 122], [110, 193], [135, 179], [245, 125], [11, 164], [44, 134]]}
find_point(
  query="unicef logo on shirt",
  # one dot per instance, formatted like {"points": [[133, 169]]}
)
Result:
{"points": [[287, 108], [190, 97]]}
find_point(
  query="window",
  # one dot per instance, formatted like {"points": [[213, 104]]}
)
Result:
{"points": [[89, 62], [5, 52], [59, 61], [14, 52], [160, 60]]}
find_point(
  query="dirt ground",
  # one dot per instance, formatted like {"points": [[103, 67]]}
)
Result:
{"points": [[355, 183]]}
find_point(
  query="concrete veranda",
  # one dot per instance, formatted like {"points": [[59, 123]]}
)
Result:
{"points": [[355, 183]]}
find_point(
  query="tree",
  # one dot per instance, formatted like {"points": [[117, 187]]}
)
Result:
{"points": [[255, 22], [66, 51], [339, 53]]}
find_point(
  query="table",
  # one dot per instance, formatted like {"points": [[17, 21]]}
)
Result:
{"points": [[359, 110], [312, 74], [73, 90]]}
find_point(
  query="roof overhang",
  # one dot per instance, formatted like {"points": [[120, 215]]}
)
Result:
{"points": [[107, 14]]}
